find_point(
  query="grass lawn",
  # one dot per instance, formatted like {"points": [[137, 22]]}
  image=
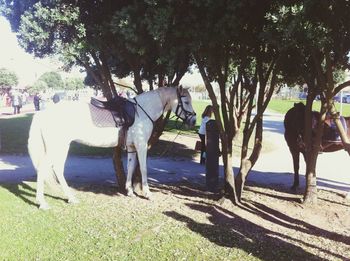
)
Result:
{"points": [[282, 106], [182, 222], [104, 226]]}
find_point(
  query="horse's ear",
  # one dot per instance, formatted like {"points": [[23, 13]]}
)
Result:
{"points": [[182, 89]]}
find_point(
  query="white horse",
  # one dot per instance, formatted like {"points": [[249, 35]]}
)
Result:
{"points": [[53, 130]]}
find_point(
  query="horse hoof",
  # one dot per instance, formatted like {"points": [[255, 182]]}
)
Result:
{"points": [[44, 206], [148, 195], [131, 194], [73, 201]]}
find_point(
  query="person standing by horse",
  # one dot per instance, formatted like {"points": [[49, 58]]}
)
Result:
{"points": [[206, 116]]}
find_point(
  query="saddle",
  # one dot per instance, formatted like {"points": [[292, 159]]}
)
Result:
{"points": [[331, 133], [121, 110]]}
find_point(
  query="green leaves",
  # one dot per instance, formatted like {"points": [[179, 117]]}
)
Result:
{"points": [[47, 29], [8, 78]]}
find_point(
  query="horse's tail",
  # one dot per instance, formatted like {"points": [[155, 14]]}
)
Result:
{"points": [[37, 151], [36, 144]]}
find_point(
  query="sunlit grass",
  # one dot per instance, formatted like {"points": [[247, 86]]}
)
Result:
{"points": [[104, 226], [282, 106]]}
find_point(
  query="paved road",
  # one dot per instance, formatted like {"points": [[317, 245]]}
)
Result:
{"points": [[273, 167]]}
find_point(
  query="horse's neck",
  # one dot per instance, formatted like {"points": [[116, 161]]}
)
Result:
{"points": [[168, 95], [155, 103]]}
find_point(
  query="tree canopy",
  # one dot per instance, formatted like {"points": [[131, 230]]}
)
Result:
{"points": [[107, 38], [8, 78]]}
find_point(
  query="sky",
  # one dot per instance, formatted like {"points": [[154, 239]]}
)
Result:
{"points": [[14, 58], [28, 68]]}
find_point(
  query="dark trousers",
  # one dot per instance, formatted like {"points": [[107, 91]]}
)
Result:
{"points": [[203, 148], [16, 109]]}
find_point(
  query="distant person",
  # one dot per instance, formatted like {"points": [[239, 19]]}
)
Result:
{"points": [[206, 116], [36, 101], [7, 99], [16, 102], [56, 98]]}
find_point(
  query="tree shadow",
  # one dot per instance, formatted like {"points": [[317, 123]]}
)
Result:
{"points": [[269, 179], [288, 195], [25, 192], [227, 229], [278, 218]]}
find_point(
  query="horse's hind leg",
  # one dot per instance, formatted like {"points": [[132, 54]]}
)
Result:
{"points": [[42, 171], [58, 168], [142, 155], [131, 168]]}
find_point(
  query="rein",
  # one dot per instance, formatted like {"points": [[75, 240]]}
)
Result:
{"points": [[149, 117], [172, 142]]}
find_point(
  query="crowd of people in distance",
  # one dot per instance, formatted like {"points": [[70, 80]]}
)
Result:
{"points": [[17, 98], [14, 98]]}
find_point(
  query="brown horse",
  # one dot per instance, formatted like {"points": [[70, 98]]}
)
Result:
{"points": [[294, 130]]}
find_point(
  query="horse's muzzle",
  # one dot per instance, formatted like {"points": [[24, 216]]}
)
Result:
{"points": [[191, 121]]}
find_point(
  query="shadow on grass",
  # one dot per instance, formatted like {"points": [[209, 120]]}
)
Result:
{"points": [[228, 229], [232, 230], [26, 193]]}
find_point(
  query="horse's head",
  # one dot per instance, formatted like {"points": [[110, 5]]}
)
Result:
{"points": [[294, 120], [183, 108], [299, 108]]}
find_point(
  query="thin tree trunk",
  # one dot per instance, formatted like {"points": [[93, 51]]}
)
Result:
{"points": [[230, 190], [313, 143], [310, 195], [248, 163], [341, 130], [137, 80], [119, 168]]}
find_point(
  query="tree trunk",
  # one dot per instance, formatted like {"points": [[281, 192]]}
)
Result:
{"points": [[312, 147], [230, 191], [137, 180], [248, 163], [343, 134], [137, 80], [245, 167], [310, 195], [119, 168]]}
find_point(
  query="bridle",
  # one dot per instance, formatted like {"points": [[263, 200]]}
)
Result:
{"points": [[180, 109], [180, 106]]}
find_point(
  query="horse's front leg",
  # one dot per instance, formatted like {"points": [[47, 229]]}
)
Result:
{"points": [[142, 155], [131, 168], [58, 168], [295, 155]]}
